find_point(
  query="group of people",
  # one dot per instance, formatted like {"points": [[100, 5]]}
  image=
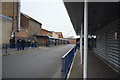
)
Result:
{"points": [[12, 42], [22, 44]]}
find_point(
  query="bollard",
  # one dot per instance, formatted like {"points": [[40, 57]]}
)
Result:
{"points": [[6, 48]]}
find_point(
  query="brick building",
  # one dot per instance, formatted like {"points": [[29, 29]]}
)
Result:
{"points": [[9, 20], [29, 27], [55, 35], [24, 26], [72, 41], [44, 32], [59, 34], [16, 24]]}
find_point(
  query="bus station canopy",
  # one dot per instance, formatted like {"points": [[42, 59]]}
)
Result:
{"points": [[100, 14]]}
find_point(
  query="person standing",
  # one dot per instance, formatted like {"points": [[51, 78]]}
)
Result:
{"points": [[18, 44], [11, 43], [23, 44], [78, 45], [33, 42]]}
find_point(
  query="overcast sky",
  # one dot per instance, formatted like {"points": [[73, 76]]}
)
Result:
{"points": [[52, 15]]}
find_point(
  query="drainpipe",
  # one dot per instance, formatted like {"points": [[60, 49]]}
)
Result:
{"points": [[12, 31], [85, 40], [18, 16]]}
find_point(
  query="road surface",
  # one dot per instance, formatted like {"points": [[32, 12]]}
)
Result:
{"points": [[39, 63]]}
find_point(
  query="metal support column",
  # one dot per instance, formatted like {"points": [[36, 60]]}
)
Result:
{"points": [[85, 39], [81, 35]]}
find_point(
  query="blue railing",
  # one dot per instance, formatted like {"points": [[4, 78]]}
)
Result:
{"points": [[66, 62], [6, 17]]}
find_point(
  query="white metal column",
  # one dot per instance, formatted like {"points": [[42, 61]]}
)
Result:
{"points": [[81, 33], [85, 39]]}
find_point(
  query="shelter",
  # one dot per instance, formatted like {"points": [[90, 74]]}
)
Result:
{"points": [[101, 21]]}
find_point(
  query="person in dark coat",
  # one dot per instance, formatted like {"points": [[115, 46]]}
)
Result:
{"points": [[29, 43], [23, 44], [35, 44], [78, 45], [10, 42], [19, 44]]}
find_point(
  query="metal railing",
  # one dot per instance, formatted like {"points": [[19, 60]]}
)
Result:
{"points": [[66, 62], [8, 48]]}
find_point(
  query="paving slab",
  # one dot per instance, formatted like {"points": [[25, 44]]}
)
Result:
{"points": [[96, 68]]}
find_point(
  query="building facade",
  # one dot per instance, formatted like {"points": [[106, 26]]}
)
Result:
{"points": [[45, 32], [54, 35], [9, 20], [34, 27], [24, 27], [29, 27], [72, 41], [15, 25], [107, 44], [59, 34]]}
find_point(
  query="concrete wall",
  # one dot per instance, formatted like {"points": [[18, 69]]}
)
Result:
{"points": [[6, 30], [107, 44]]}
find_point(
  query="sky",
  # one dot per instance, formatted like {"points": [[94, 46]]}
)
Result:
{"points": [[51, 13]]}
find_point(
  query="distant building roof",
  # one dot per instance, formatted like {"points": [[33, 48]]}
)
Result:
{"points": [[31, 18], [60, 34], [40, 36], [46, 30]]}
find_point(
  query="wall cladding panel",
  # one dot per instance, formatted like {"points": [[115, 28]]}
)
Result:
{"points": [[107, 47]]}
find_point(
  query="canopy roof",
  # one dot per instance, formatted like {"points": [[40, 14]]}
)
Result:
{"points": [[99, 14]]}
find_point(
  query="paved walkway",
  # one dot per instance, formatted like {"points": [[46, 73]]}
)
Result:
{"points": [[39, 63], [96, 68]]}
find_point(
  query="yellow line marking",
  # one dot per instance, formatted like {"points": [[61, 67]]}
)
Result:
{"points": [[68, 75]]}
